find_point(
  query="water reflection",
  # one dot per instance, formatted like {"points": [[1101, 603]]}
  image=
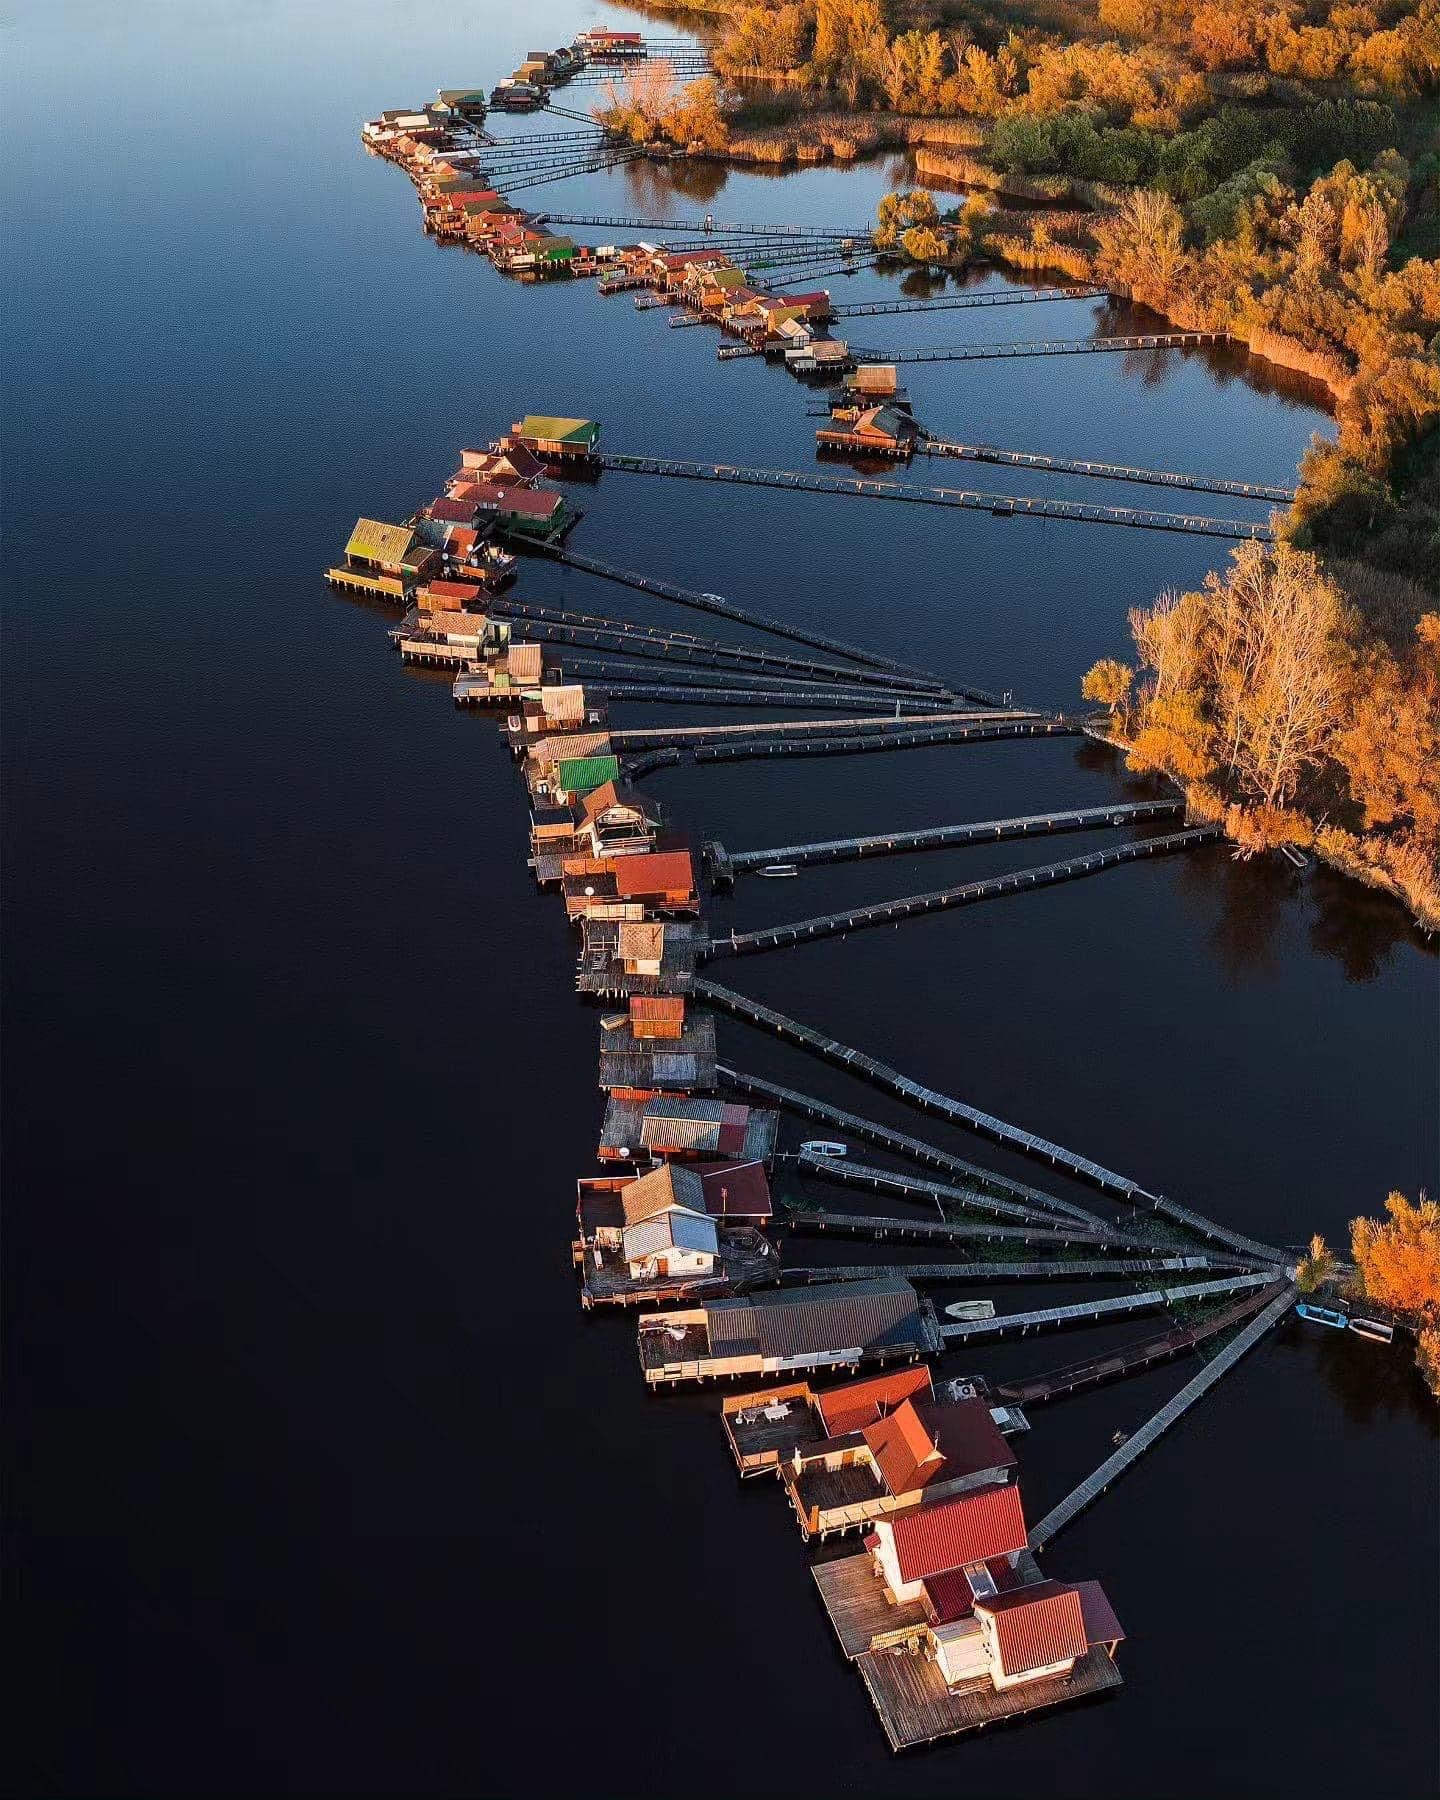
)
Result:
{"points": [[1372, 1382], [1359, 926]]}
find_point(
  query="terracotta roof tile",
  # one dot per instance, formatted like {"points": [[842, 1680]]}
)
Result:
{"points": [[966, 1528], [1036, 1626]]}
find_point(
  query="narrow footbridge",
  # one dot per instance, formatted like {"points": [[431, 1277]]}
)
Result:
{"points": [[1004, 505], [880, 1227], [888, 735], [867, 309], [1099, 346], [1135, 1446], [652, 737], [1048, 1269], [968, 893], [713, 227], [1095, 1312], [945, 837], [1102, 471], [1028, 1203], [1022, 1201], [717, 603]]}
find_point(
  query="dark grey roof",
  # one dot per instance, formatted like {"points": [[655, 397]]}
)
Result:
{"points": [[842, 1315]]}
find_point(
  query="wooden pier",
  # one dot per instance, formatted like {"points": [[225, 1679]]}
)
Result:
{"points": [[1019, 505], [969, 893], [1053, 1269], [910, 737], [1095, 1312], [880, 1227], [633, 637], [1039, 1208], [610, 681], [947, 837], [869, 1068], [1130, 1359], [656, 737], [717, 603], [1136, 1445], [1030, 1201], [867, 309], [928, 445], [1149, 340], [712, 227]]}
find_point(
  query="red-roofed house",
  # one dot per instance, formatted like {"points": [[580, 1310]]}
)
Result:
{"points": [[960, 1532], [737, 1193]]}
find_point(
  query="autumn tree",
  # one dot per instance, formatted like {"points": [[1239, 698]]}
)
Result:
{"points": [[1107, 682], [1316, 1267], [1398, 1258], [924, 244], [898, 212]]}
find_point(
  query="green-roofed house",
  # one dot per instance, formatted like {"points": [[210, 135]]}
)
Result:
{"points": [[582, 775], [548, 435], [469, 103]]}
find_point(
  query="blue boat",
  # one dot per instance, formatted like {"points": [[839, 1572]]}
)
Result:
{"points": [[1322, 1315]]}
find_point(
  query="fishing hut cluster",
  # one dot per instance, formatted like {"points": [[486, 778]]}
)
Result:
{"points": [[943, 1606]]}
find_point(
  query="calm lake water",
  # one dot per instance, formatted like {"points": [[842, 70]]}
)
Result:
{"points": [[320, 1482]]}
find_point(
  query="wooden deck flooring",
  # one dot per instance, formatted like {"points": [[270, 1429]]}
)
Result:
{"points": [[916, 1707], [855, 1600]]}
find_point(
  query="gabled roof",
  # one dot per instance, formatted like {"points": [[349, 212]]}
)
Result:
{"points": [[578, 775], [657, 1006], [450, 511], [550, 428], [966, 1528], [454, 590], [524, 661], [608, 794], [660, 1190], [735, 1189], [670, 1230], [378, 542], [905, 1455], [669, 871], [533, 503], [845, 1315], [858, 1403], [1036, 1626], [641, 942]]}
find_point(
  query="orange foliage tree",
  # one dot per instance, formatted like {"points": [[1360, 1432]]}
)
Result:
{"points": [[1398, 1258]]}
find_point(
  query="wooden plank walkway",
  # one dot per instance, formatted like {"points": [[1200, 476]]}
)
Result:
{"points": [[1101, 471], [912, 737], [1024, 1200], [1053, 1269], [1139, 1442], [1129, 1359], [1149, 340], [654, 737], [1040, 1207], [943, 837], [912, 906], [717, 603], [711, 227], [950, 302], [880, 1227], [1017, 505], [1094, 1312], [617, 681], [566, 626], [871, 1069]]}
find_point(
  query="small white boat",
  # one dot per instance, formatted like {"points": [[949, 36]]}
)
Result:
{"points": [[1375, 1329], [778, 871], [823, 1147], [970, 1309]]}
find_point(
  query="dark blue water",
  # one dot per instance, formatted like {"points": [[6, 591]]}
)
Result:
{"points": [[319, 1482]]}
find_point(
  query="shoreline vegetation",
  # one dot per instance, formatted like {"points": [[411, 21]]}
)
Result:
{"points": [[1270, 171], [1394, 1267]]}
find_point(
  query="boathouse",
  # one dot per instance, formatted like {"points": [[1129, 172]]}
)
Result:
{"points": [[834, 1325], [963, 1534], [640, 1068], [515, 466], [525, 511], [614, 821], [465, 103], [658, 1016], [686, 1129], [645, 1241], [661, 881], [577, 776], [547, 435], [384, 559], [618, 960], [872, 430]]}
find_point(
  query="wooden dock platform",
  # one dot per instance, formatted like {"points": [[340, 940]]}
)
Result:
{"points": [[993, 887], [712, 228], [880, 1227], [1029, 1203], [915, 1707], [909, 736], [1095, 1312], [1146, 340], [947, 837], [1058, 1268], [1007, 505], [654, 737], [1139, 1442], [854, 1597]]}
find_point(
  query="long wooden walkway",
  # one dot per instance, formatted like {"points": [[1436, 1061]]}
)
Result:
{"points": [[871, 1069], [880, 1227], [1029, 1201], [1006, 505], [1139, 1442], [563, 626], [945, 837], [1051, 1269], [654, 737], [1094, 1312], [866, 309], [717, 603], [1149, 340], [1130, 1359], [716, 228], [1047, 1208], [1101, 471], [616, 681], [910, 737], [969, 893]]}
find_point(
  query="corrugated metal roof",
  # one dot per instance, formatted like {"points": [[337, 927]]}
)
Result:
{"points": [[661, 1188], [683, 1231], [550, 428], [524, 661], [857, 1403], [662, 872], [1036, 1626], [657, 1006], [579, 775], [851, 1315], [966, 1528]]}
